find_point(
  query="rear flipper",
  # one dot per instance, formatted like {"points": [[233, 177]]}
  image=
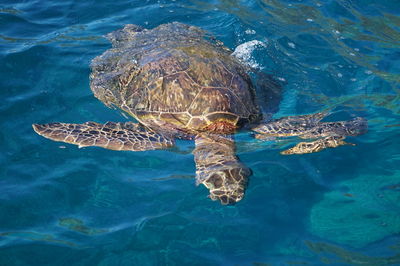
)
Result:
{"points": [[310, 127], [316, 146], [218, 168], [113, 136]]}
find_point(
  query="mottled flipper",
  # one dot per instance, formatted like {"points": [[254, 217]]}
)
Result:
{"points": [[288, 126], [316, 146], [330, 134], [113, 136], [218, 168]]}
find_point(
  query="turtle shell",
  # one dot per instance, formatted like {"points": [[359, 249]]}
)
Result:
{"points": [[174, 77]]}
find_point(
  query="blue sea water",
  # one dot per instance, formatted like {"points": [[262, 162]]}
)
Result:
{"points": [[60, 205]]}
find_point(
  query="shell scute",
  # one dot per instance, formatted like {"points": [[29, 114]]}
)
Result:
{"points": [[182, 118], [197, 123], [211, 100], [222, 116], [209, 72], [174, 94], [165, 62]]}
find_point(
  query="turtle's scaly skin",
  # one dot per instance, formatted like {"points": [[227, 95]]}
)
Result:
{"points": [[173, 80]]}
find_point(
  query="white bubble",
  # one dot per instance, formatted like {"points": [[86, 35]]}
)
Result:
{"points": [[249, 31], [310, 20], [244, 52], [292, 45], [340, 75]]}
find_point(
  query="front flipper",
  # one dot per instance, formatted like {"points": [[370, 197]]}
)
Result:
{"points": [[113, 136], [219, 169]]}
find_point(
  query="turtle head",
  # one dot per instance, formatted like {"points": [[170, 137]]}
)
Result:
{"points": [[228, 185], [219, 169]]}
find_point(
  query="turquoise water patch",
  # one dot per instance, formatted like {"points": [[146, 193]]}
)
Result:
{"points": [[366, 212]]}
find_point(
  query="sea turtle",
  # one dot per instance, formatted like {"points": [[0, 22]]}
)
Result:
{"points": [[178, 82]]}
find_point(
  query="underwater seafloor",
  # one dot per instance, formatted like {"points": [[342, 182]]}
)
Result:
{"points": [[60, 205]]}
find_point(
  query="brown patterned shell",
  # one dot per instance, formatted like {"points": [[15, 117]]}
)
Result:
{"points": [[172, 77]]}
